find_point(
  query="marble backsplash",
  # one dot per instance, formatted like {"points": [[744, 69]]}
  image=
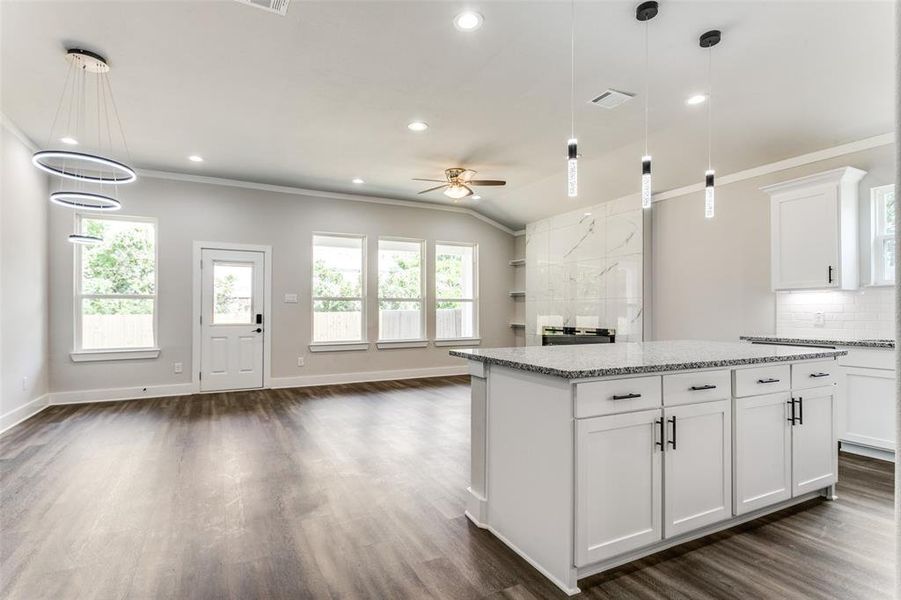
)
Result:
{"points": [[584, 269]]}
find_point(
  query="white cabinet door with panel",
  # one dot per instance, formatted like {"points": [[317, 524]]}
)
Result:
{"points": [[763, 451], [813, 223], [619, 484], [698, 466], [814, 450]]}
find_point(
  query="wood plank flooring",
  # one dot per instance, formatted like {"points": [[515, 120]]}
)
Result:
{"points": [[352, 491]]}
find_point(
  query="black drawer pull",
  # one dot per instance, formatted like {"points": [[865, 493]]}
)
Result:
{"points": [[793, 417], [626, 396], [698, 388], [819, 374], [769, 380], [659, 422], [672, 442]]}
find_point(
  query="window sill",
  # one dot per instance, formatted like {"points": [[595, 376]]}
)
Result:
{"points": [[338, 346], [388, 344], [880, 284], [104, 355], [458, 342]]}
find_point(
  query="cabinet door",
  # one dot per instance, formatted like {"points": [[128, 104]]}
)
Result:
{"points": [[763, 451], [619, 481], [805, 238], [697, 465], [814, 448], [869, 408]]}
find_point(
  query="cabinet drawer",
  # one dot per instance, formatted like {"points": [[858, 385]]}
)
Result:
{"points": [[814, 374], [698, 386], [617, 395], [762, 380]]}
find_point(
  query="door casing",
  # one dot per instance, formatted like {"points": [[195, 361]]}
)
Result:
{"points": [[196, 341]]}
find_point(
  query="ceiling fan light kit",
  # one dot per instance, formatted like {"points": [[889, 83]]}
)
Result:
{"points": [[458, 183], [84, 168]]}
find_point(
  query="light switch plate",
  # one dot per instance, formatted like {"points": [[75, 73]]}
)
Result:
{"points": [[290, 298], [819, 319], [177, 367]]}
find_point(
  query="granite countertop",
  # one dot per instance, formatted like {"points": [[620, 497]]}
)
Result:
{"points": [[784, 339], [604, 360]]}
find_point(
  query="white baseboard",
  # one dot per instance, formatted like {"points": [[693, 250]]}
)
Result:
{"points": [[125, 393], [365, 376], [26, 411]]}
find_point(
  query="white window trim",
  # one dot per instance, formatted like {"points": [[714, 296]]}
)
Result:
{"points": [[80, 354], [384, 343], [475, 339], [877, 265], [343, 345]]}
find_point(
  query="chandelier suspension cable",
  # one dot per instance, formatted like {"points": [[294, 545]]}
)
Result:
{"points": [[116, 113], [59, 105]]}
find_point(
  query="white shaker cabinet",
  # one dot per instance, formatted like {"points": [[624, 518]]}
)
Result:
{"points": [[814, 451], [698, 466], [866, 417], [763, 451], [619, 484], [813, 231]]}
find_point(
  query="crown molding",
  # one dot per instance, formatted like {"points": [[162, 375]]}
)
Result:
{"points": [[298, 191], [885, 139], [10, 126]]}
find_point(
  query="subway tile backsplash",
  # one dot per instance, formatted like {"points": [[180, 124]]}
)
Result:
{"points": [[861, 314]]}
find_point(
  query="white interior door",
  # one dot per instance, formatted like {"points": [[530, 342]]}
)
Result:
{"points": [[232, 321]]}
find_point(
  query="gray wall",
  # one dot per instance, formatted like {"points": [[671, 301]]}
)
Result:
{"points": [[23, 279], [711, 278], [189, 211]]}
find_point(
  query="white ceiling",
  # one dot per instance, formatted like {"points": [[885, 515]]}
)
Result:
{"points": [[324, 94]]}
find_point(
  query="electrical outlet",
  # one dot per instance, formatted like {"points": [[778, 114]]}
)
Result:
{"points": [[290, 298], [819, 319], [300, 361], [177, 367], [25, 384]]}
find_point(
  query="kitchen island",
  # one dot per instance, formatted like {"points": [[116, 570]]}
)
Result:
{"points": [[588, 457]]}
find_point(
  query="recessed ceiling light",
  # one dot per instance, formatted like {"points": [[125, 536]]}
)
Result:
{"points": [[468, 20], [696, 99], [417, 126], [69, 140], [476, 197], [357, 180], [195, 158]]}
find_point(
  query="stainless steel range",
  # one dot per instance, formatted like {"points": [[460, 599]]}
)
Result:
{"points": [[568, 336]]}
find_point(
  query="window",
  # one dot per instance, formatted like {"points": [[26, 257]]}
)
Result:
{"points": [[401, 290], [338, 299], [115, 295], [232, 293], [883, 215], [456, 297]]}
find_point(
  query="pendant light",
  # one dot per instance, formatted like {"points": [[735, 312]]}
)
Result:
{"points": [[572, 144], [708, 40], [85, 177], [644, 13]]}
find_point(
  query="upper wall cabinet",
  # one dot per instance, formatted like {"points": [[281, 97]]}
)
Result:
{"points": [[813, 231]]}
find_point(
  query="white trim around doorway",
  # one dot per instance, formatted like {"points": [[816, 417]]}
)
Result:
{"points": [[197, 255]]}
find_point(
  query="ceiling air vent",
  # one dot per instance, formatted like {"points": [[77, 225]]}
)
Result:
{"points": [[277, 6], [612, 98]]}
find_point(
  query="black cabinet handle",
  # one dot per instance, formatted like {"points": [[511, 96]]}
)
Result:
{"points": [[698, 388], [626, 396], [768, 380], [673, 441], [792, 404], [830, 273], [800, 410], [659, 423], [819, 374]]}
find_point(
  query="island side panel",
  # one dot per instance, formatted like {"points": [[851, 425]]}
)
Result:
{"points": [[476, 502], [530, 469]]}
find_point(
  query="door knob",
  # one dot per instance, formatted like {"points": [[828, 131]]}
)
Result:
{"points": [[258, 330]]}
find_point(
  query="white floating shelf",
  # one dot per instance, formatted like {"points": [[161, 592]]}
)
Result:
{"points": [[517, 294], [517, 262]]}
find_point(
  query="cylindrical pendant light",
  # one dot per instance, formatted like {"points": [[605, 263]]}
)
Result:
{"points": [[572, 144], [708, 40], [644, 13]]}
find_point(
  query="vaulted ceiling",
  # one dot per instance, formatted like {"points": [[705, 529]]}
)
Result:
{"points": [[324, 94]]}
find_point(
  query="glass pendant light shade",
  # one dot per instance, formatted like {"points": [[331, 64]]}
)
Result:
{"points": [[646, 181], [457, 191], [572, 168], [709, 194]]}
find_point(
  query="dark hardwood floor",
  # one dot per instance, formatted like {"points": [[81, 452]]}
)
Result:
{"points": [[352, 491]]}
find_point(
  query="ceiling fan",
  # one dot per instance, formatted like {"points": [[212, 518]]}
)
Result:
{"points": [[459, 183]]}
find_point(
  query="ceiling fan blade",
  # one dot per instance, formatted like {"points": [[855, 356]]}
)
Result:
{"points": [[487, 182], [435, 180], [437, 187]]}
